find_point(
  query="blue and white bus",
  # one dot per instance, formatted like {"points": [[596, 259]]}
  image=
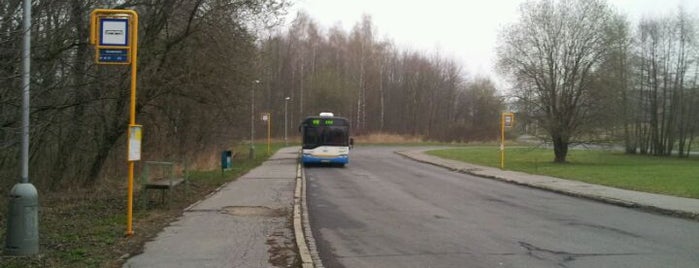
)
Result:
{"points": [[325, 140]]}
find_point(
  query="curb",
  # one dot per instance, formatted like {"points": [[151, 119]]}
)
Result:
{"points": [[603, 199], [307, 226], [302, 228]]}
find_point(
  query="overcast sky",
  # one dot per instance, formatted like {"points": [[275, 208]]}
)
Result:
{"points": [[465, 30]]}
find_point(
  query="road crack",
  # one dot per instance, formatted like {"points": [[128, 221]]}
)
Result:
{"points": [[561, 258]]}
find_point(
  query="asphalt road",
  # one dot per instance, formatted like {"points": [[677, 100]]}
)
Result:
{"points": [[383, 210]]}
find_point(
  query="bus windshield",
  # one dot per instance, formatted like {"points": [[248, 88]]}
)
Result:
{"points": [[314, 136], [325, 131]]}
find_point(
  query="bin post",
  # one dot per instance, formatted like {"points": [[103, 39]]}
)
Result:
{"points": [[22, 221]]}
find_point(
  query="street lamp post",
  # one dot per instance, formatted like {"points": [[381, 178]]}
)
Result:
{"points": [[22, 231], [252, 120], [286, 104]]}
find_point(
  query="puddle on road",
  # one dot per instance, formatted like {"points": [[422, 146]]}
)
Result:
{"points": [[254, 211]]}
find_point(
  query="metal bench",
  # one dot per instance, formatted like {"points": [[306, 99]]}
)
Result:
{"points": [[160, 176]]}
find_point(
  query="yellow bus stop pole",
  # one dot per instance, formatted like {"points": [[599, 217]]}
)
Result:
{"points": [[132, 116], [502, 141], [507, 120], [133, 47]]}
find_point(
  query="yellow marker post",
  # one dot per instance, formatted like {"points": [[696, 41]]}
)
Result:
{"points": [[507, 120], [114, 32], [268, 118]]}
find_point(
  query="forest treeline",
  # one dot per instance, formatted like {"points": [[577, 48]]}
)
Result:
{"points": [[378, 86], [199, 63]]}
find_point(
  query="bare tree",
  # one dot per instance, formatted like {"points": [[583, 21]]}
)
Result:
{"points": [[665, 84], [556, 47]]}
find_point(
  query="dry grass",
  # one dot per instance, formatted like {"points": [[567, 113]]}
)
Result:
{"points": [[387, 138]]}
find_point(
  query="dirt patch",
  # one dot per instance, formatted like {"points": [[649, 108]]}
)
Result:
{"points": [[254, 211], [282, 247]]}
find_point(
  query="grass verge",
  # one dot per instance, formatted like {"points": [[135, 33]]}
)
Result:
{"points": [[85, 227], [663, 175]]}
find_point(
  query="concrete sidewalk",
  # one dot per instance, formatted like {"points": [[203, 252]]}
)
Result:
{"points": [[677, 206], [246, 223]]}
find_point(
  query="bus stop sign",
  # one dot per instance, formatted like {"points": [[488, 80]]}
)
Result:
{"points": [[113, 44], [113, 55]]}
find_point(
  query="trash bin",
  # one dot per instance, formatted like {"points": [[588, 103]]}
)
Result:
{"points": [[226, 160]]}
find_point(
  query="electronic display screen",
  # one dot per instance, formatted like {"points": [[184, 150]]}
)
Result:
{"points": [[322, 122]]}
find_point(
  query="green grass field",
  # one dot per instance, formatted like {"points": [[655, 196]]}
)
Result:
{"points": [[665, 175]]}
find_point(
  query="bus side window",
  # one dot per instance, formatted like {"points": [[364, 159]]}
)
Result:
{"points": [[337, 136]]}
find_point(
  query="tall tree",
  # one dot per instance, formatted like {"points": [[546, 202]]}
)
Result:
{"points": [[556, 46]]}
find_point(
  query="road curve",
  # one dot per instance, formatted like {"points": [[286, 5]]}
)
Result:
{"points": [[384, 210]]}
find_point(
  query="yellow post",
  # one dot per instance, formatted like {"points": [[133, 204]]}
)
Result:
{"points": [[133, 54], [132, 116], [507, 120], [502, 141], [269, 131]]}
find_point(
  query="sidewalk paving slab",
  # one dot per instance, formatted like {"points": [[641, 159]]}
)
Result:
{"points": [[671, 205], [245, 223]]}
